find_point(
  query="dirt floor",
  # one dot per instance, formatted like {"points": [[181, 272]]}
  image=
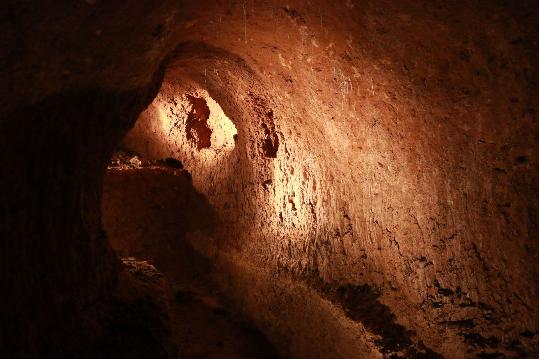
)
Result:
{"points": [[148, 210]]}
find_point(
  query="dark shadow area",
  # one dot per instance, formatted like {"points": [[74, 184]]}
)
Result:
{"points": [[361, 304], [57, 267], [149, 210]]}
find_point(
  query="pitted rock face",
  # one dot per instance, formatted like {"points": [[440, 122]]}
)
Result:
{"points": [[372, 165]]}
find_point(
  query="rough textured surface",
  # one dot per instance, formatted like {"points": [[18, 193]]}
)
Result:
{"points": [[149, 213], [399, 165], [386, 160]]}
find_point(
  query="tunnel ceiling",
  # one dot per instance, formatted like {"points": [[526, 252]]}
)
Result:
{"points": [[381, 194]]}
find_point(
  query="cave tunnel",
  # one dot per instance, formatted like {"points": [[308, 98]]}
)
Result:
{"points": [[269, 179]]}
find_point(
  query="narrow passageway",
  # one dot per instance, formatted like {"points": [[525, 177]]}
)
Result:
{"points": [[149, 207], [315, 179]]}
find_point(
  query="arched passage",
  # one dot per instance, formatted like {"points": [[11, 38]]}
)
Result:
{"points": [[378, 168]]}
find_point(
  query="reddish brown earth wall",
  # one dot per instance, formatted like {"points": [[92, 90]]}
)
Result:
{"points": [[403, 183], [386, 162]]}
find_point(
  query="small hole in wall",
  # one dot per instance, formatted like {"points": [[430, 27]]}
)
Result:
{"points": [[522, 159], [197, 130], [270, 142], [207, 126]]}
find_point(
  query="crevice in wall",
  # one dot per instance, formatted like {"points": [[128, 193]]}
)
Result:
{"points": [[196, 125]]}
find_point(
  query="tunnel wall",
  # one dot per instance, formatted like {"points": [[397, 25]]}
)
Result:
{"points": [[74, 81], [403, 178], [386, 163]]}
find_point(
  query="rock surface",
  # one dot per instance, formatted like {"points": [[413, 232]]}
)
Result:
{"points": [[385, 162], [149, 213]]}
